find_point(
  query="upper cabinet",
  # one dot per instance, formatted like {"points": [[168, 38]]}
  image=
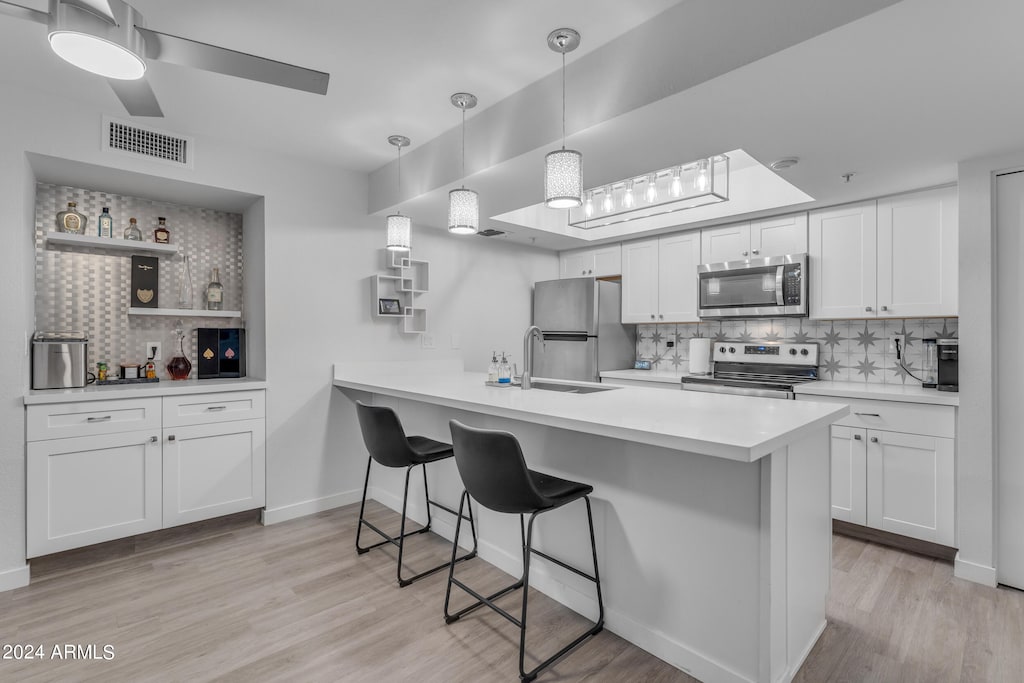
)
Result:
{"points": [[602, 261], [659, 279], [893, 258], [773, 237]]}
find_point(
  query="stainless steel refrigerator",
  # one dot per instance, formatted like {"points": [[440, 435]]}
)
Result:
{"points": [[583, 333]]}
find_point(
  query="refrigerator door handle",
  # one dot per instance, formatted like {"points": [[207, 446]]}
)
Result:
{"points": [[566, 336]]}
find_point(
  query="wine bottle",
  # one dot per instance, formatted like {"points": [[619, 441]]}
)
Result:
{"points": [[215, 292], [132, 232], [71, 221], [106, 223]]}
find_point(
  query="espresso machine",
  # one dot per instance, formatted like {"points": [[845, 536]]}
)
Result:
{"points": [[949, 370]]}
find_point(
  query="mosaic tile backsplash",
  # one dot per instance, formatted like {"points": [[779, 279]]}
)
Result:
{"points": [[87, 290], [851, 350]]}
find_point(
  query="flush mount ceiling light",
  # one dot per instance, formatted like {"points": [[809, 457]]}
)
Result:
{"points": [[563, 169], [463, 204], [109, 38], [784, 163], [399, 226], [686, 186]]}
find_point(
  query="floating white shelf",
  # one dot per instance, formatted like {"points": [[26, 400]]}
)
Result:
{"points": [[411, 279], [185, 312], [110, 243]]}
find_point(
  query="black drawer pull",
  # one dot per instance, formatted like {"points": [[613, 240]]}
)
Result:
{"points": [[216, 408], [104, 418], [868, 414]]}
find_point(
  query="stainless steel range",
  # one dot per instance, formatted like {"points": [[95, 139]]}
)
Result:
{"points": [[770, 370]]}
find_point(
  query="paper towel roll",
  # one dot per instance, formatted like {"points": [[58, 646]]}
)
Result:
{"points": [[700, 355]]}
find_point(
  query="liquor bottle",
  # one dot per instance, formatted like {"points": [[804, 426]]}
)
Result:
{"points": [[106, 223], [162, 235], [132, 232], [215, 292], [70, 220]]}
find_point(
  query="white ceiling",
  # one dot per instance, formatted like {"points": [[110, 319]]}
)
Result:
{"points": [[898, 96]]}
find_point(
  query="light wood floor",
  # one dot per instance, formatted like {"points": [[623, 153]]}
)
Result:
{"points": [[232, 600]]}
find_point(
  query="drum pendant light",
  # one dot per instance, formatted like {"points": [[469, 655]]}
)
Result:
{"points": [[399, 226], [563, 169], [463, 204]]}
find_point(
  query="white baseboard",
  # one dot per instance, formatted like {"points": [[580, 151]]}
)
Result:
{"points": [[309, 507], [978, 573], [14, 578], [791, 674]]}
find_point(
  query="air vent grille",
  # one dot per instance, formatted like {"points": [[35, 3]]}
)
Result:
{"points": [[146, 142]]}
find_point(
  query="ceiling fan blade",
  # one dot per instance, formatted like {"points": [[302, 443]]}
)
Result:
{"points": [[21, 12], [185, 52], [136, 96]]}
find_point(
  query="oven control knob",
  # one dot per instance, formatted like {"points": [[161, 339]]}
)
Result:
{"points": [[792, 352], [732, 349], [804, 352], [721, 349]]}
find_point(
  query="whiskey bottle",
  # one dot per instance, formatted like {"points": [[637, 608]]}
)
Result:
{"points": [[132, 232], [106, 223], [162, 235], [215, 292], [71, 221]]}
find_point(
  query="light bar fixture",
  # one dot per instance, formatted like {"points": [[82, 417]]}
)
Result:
{"points": [[399, 226], [463, 204]]}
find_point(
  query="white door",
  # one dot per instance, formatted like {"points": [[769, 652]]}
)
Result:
{"points": [[779, 236], [213, 469], [727, 243], [843, 261], [678, 258], [576, 264], [1009, 318], [917, 254], [608, 261], [910, 485], [640, 281], [91, 489], [849, 472]]}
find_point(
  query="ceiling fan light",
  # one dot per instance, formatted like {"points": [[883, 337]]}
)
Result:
{"points": [[463, 212], [97, 55]]}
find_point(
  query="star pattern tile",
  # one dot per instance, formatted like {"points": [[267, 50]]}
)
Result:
{"points": [[720, 336], [801, 336], [867, 368], [833, 338], [901, 371], [945, 332], [773, 336], [866, 338], [677, 360], [745, 337], [831, 367], [908, 335], [656, 337]]}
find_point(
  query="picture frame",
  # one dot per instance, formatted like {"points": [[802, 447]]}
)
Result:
{"points": [[389, 306]]}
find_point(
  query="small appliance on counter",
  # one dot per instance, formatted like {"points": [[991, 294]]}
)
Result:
{"points": [[949, 364], [769, 370], [221, 352], [58, 360], [929, 364]]}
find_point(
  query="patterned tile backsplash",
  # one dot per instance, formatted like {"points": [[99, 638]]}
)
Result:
{"points": [[87, 290], [851, 350]]}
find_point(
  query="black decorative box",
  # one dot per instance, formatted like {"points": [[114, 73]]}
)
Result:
{"points": [[145, 282], [221, 352]]}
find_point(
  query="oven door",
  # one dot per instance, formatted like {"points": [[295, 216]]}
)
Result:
{"points": [[774, 286], [738, 391]]}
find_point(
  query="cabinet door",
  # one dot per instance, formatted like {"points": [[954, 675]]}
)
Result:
{"points": [[213, 470], [640, 281], [608, 261], [849, 471], [917, 254], [678, 258], [576, 264], [779, 236], [91, 489], [843, 261], [727, 243], [910, 485]]}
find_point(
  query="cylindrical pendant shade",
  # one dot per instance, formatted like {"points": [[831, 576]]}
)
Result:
{"points": [[399, 232], [463, 212], [563, 179]]}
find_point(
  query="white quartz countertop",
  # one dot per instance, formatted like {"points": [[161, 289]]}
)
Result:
{"points": [[162, 388], [881, 392], [739, 428], [666, 376]]}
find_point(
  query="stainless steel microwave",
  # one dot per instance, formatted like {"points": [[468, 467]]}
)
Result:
{"points": [[769, 287]]}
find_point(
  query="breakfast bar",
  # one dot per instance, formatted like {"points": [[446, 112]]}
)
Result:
{"points": [[711, 511]]}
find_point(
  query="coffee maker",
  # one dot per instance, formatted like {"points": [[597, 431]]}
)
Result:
{"points": [[949, 371]]}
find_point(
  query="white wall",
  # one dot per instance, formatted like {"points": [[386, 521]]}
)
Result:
{"points": [[320, 246]]}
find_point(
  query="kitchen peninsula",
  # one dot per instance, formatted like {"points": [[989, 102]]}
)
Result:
{"points": [[711, 511]]}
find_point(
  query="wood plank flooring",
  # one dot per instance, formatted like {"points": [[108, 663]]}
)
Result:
{"points": [[231, 600]]}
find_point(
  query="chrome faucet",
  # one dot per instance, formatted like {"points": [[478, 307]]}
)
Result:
{"points": [[531, 332]]}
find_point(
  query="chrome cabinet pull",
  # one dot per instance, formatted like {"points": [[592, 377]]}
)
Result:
{"points": [[153, 439], [756, 252], [171, 437], [874, 439], [867, 308], [661, 316], [856, 437], [104, 418], [885, 308], [745, 253], [868, 414], [652, 316], [216, 408]]}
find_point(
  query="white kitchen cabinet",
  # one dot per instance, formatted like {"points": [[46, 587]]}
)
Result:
{"points": [[773, 237], [895, 258], [91, 489], [603, 261], [849, 471], [659, 279]]}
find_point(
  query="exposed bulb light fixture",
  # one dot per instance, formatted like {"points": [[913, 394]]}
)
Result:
{"points": [[608, 204], [563, 169], [651, 193], [96, 43], [700, 179], [627, 197], [588, 206], [399, 226], [463, 204], [677, 184]]}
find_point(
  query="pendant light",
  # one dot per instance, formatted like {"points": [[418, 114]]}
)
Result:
{"points": [[563, 169], [463, 204], [399, 226]]}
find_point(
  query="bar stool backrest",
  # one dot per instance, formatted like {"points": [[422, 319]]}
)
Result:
{"points": [[383, 435], [494, 471]]}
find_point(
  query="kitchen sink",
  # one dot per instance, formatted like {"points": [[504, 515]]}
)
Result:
{"points": [[570, 388]]}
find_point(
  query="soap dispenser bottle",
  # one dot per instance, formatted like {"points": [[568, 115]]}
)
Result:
{"points": [[492, 369], [504, 370]]}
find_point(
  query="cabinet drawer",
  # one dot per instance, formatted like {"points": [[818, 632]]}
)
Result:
{"points": [[894, 416], [196, 409], [89, 418]]}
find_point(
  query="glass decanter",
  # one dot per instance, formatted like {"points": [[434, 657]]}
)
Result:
{"points": [[179, 367]]}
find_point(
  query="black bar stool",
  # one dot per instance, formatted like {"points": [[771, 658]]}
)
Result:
{"points": [[388, 445], [494, 472]]}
